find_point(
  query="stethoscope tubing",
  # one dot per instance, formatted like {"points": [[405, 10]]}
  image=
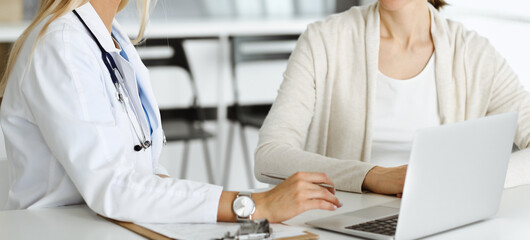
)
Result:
{"points": [[111, 66]]}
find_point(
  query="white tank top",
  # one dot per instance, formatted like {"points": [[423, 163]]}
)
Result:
{"points": [[402, 107]]}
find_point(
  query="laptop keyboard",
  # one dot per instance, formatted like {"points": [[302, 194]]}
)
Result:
{"points": [[384, 226]]}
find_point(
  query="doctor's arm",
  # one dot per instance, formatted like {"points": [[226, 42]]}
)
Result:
{"points": [[66, 94], [295, 195]]}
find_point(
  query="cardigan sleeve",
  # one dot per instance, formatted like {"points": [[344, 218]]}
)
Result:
{"points": [[281, 148], [509, 95]]}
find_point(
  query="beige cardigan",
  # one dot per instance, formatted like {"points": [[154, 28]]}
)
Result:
{"points": [[321, 120]]}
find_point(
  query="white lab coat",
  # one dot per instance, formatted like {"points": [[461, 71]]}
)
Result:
{"points": [[69, 140]]}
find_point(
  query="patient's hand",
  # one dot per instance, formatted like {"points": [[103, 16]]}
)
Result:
{"points": [[386, 180]]}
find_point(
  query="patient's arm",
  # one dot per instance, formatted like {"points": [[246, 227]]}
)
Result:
{"points": [[385, 180]]}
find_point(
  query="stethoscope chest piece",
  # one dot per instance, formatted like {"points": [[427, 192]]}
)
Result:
{"points": [[145, 145], [137, 148]]}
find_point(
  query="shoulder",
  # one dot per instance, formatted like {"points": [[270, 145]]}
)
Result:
{"points": [[64, 39], [355, 17], [352, 21], [64, 49], [62, 28], [472, 53], [463, 39], [65, 36]]}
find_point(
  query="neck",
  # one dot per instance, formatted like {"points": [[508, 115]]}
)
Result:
{"points": [[106, 10], [408, 25]]}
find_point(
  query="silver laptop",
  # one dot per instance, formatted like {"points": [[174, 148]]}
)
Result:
{"points": [[455, 177]]}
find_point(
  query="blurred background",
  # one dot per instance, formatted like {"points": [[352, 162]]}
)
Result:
{"points": [[216, 66]]}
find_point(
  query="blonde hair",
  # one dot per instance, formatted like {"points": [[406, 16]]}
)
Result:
{"points": [[57, 9]]}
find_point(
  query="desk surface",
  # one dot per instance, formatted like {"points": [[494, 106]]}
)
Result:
{"points": [[79, 222]]}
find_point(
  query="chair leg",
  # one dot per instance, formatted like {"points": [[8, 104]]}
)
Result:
{"points": [[228, 156], [208, 162], [185, 156], [246, 156]]}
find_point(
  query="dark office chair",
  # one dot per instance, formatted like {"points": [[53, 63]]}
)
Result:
{"points": [[248, 115], [183, 125]]}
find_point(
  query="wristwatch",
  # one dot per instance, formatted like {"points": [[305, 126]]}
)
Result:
{"points": [[244, 206]]}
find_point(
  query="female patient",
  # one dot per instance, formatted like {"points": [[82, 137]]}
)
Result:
{"points": [[81, 124], [361, 82]]}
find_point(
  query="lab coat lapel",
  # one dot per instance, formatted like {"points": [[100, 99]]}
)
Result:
{"points": [[129, 79], [142, 84], [149, 101], [143, 78]]}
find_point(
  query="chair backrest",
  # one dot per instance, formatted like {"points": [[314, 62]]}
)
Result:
{"points": [[177, 58], [248, 49], [241, 53]]}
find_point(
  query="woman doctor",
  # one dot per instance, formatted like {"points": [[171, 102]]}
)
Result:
{"points": [[81, 124]]}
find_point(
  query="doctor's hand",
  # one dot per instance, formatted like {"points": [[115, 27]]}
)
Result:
{"points": [[294, 196], [386, 180]]}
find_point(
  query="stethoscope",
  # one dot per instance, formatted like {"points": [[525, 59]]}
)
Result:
{"points": [[117, 80]]}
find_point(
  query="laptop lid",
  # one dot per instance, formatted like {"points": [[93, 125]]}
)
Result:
{"points": [[456, 175]]}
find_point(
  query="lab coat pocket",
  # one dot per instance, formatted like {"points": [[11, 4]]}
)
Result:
{"points": [[96, 101]]}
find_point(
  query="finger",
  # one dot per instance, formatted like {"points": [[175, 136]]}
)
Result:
{"points": [[316, 186], [324, 194], [327, 187], [319, 178], [318, 204], [330, 188]]}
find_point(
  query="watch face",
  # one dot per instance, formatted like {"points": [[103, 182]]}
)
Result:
{"points": [[244, 206]]}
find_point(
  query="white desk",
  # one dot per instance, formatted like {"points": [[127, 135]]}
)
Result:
{"points": [[79, 222], [511, 222]]}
